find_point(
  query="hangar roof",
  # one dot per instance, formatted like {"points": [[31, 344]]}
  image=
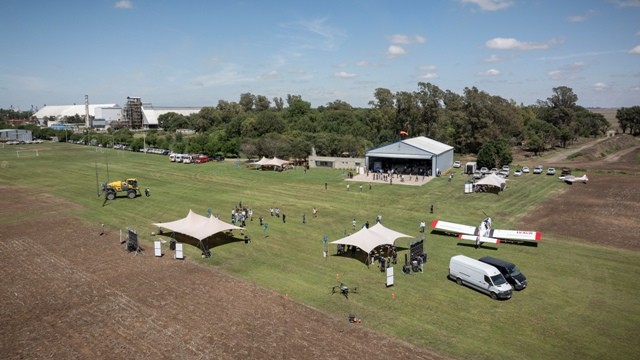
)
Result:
{"points": [[420, 147], [58, 111]]}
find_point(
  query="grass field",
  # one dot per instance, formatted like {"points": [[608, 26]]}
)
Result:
{"points": [[582, 300]]}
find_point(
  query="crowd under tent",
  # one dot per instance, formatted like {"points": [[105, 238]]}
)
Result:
{"points": [[490, 183], [367, 239], [198, 227], [416, 156], [275, 164]]}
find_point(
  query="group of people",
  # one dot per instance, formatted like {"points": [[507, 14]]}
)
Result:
{"points": [[240, 214]]}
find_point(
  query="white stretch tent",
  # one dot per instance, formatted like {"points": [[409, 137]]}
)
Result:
{"points": [[198, 226], [371, 238], [271, 162], [492, 180]]}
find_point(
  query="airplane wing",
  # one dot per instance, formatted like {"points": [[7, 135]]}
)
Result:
{"points": [[516, 235], [483, 239], [453, 227]]}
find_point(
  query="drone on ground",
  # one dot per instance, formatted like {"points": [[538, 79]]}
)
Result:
{"points": [[343, 290]]}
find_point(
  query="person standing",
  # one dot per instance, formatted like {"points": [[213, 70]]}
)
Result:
{"points": [[304, 218], [422, 226], [353, 224], [284, 216]]}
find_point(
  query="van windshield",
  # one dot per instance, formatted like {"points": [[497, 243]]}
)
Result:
{"points": [[514, 271], [498, 280]]}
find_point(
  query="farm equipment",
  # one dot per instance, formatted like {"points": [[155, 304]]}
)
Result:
{"points": [[128, 186], [111, 189]]}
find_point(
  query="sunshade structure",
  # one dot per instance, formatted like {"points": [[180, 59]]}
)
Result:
{"points": [[371, 238], [491, 180], [197, 226], [270, 163]]}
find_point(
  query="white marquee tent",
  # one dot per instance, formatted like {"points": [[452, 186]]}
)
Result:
{"points": [[198, 226], [371, 238], [492, 180]]}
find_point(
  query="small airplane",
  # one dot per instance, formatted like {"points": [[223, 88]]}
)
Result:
{"points": [[570, 179], [484, 233]]}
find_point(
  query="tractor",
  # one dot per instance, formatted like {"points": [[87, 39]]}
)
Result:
{"points": [[130, 186]]}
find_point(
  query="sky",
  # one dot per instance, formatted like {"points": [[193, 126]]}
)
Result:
{"points": [[197, 52]]}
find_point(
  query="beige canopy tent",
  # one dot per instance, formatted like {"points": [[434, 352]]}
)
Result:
{"points": [[270, 163], [491, 180], [198, 226], [371, 238]]}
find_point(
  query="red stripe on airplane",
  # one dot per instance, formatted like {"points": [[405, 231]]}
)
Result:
{"points": [[538, 236], [434, 224]]}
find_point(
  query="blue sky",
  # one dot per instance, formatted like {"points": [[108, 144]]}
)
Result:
{"points": [[196, 52]]}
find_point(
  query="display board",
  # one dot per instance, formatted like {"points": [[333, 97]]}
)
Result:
{"points": [[179, 254], [390, 276], [157, 248]]}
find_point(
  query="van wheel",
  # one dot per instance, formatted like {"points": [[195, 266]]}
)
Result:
{"points": [[494, 296], [459, 281]]}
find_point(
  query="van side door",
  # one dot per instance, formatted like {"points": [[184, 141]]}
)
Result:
{"points": [[488, 282]]}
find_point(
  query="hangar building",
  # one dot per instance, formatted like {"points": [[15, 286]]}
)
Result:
{"points": [[16, 135], [418, 155]]}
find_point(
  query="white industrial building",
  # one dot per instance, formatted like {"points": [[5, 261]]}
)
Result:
{"points": [[102, 115]]}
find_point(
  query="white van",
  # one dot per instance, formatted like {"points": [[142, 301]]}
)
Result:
{"points": [[480, 276], [172, 157]]}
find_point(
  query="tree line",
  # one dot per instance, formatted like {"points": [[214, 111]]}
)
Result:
{"points": [[289, 128]]}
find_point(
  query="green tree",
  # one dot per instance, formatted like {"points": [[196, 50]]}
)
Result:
{"points": [[495, 153]]}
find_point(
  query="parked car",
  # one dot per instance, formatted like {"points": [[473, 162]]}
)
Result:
{"points": [[456, 164], [518, 172], [525, 169], [510, 271], [551, 171], [537, 169], [480, 276], [484, 170], [494, 170]]}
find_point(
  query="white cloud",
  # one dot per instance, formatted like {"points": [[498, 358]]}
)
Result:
{"points": [[626, 3], [567, 72], [638, 33], [489, 5], [490, 72], [580, 18], [344, 75], [403, 39], [123, 4], [554, 74], [395, 51], [362, 63], [428, 76], [635, 88], [513, 44], [494, 58], [427, 67], [399, 39], [600, 86], [577, 18], [273, 74], [635, 50]]}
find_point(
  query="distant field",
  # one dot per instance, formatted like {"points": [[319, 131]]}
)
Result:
{"points": [[581, 302], [609, 114]]}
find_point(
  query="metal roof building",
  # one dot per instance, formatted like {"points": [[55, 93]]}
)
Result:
{"points": [[419, 155]]}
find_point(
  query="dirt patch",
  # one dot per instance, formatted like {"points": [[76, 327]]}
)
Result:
{"points": [[604, 211], [68, 292]]}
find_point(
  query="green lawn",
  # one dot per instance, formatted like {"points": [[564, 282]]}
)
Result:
{"points": [[582, 300]]}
